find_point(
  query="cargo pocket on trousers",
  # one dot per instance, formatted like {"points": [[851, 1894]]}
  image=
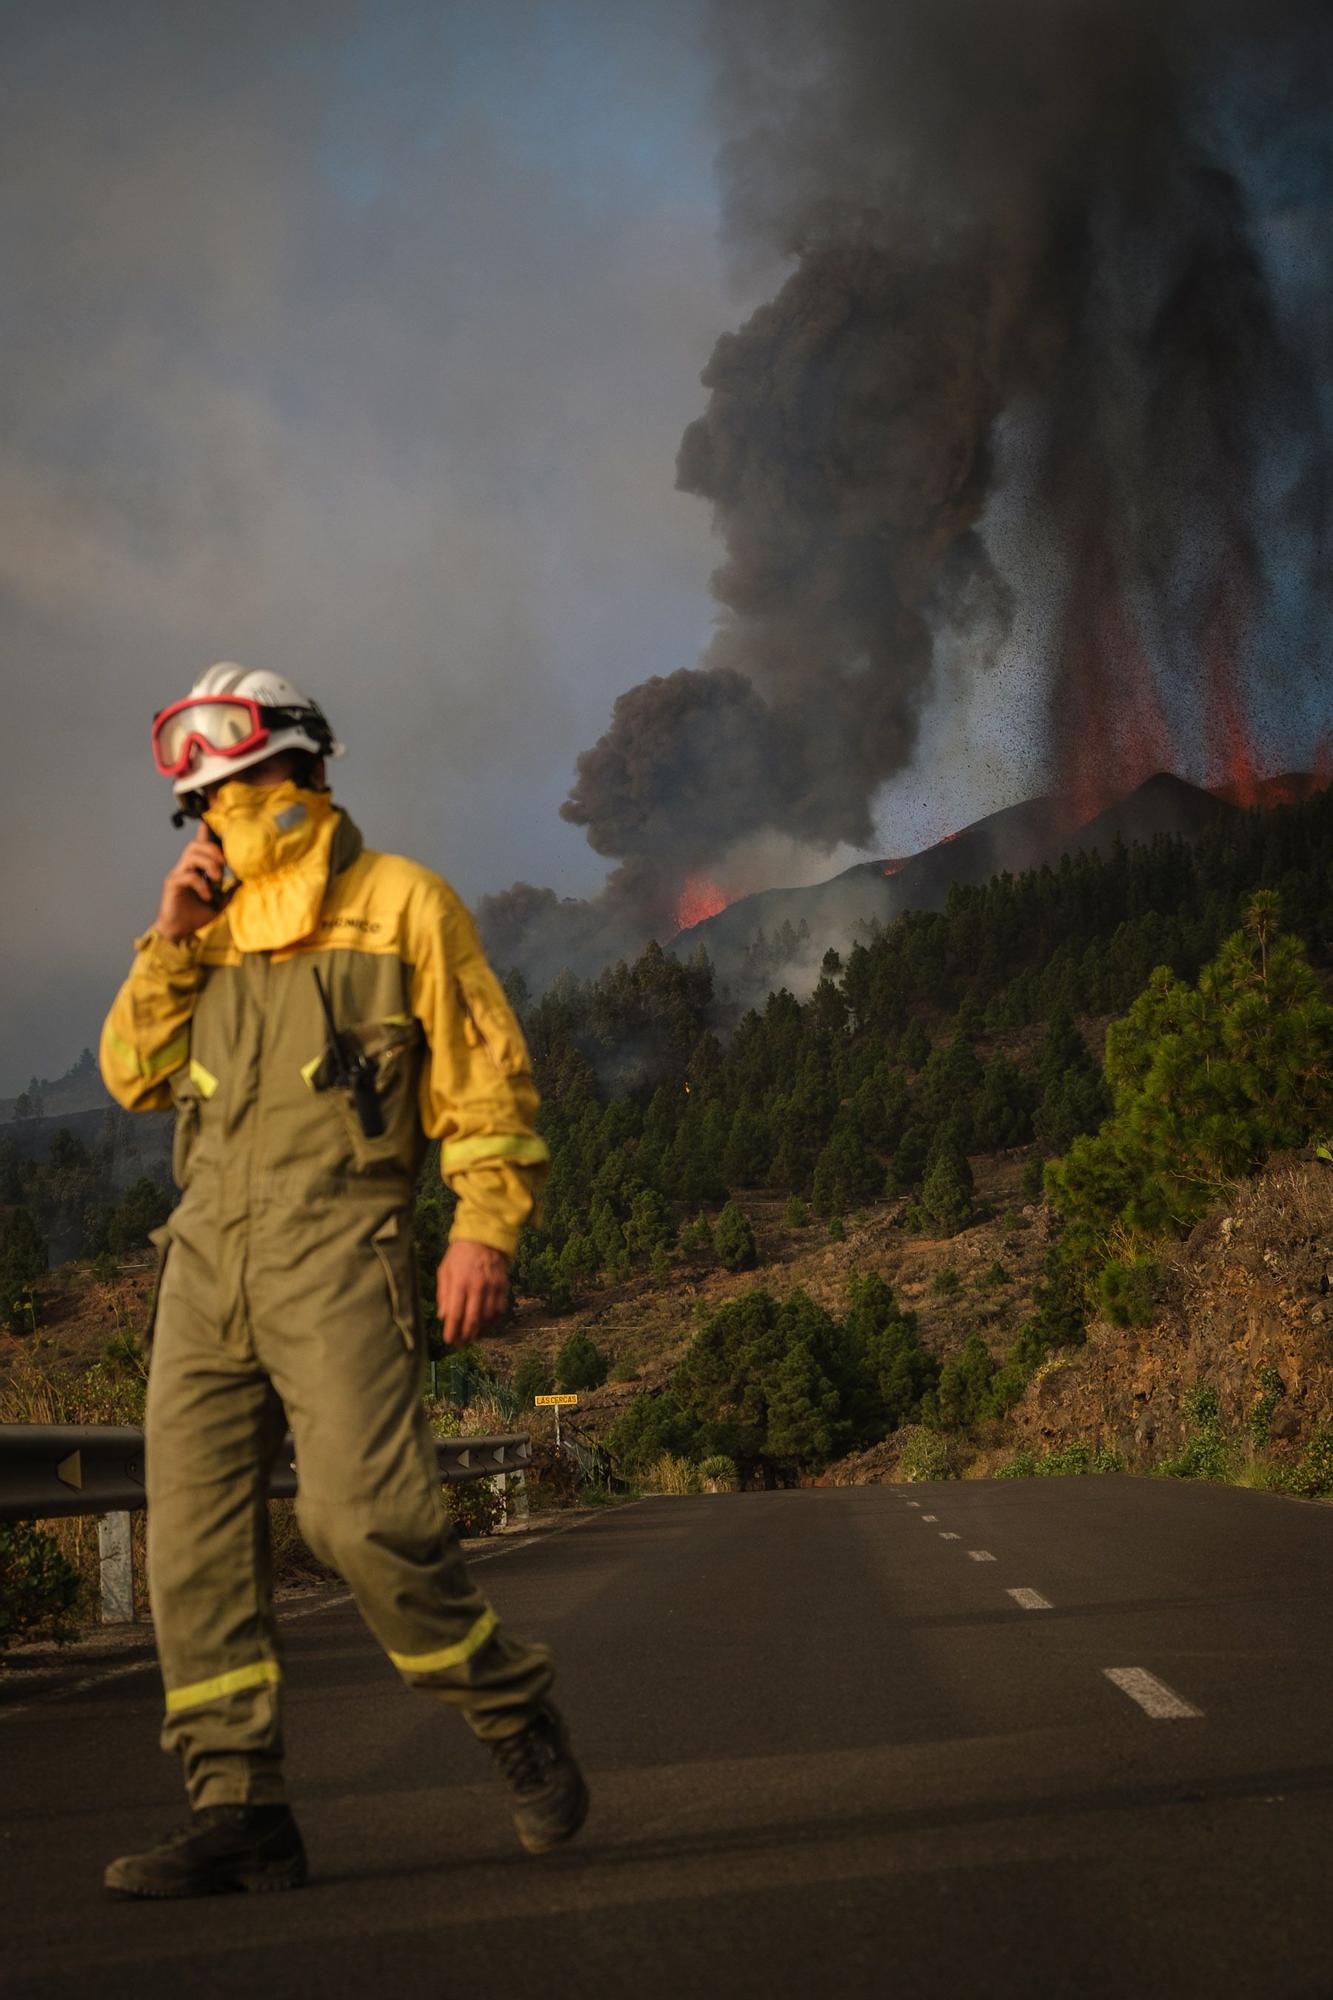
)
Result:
{"points": [[392, 1244]]}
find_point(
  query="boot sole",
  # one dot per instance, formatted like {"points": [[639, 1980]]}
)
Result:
{"points": [[538, 1843], [291, 1875]]}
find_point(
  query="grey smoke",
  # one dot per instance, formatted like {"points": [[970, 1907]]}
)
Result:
{"points": [[1075, 216]]}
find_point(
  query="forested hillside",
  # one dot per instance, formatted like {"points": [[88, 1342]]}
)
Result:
{"points": [[948, 1037]]}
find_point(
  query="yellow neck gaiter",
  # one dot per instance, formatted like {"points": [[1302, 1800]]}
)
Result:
{"points": [[277, 840]]}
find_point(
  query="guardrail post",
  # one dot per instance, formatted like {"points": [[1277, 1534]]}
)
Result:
{"points": [[511, 1490], [115, 1549]]}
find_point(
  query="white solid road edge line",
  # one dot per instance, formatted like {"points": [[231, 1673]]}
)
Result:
{"points": [[981, 1555], [1030, 1600], [1154, 1697]]}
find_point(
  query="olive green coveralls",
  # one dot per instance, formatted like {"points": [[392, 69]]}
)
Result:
{"points": [[288, 1293]]}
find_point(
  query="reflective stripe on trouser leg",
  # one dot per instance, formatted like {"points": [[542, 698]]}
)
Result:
{"points": [[211, 1424], [329, 1329]]}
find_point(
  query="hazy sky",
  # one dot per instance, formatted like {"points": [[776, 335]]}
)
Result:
{"points": [[356, 342]]}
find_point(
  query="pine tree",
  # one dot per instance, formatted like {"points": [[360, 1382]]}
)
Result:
{"points": [[914, 1048], [1004, 1107], [531, 1378], [23, 1259], [846, 1174], [947, 1191], [580, 1364], [805, 1426], [1208, 1081], [649, 1227], [733, 1239], [963, 1396]]}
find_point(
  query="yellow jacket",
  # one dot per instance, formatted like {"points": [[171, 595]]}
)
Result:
{"points": [[236, 1040]]}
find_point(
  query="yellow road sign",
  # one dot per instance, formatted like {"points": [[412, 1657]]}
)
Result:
{"points": [[555, 1402]]}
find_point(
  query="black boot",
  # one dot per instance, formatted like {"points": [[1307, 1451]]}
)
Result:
{"points": [[550, 1797], [223, 1847]]}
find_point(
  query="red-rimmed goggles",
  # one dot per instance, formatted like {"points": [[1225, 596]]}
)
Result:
{"points": [[218, 725]]}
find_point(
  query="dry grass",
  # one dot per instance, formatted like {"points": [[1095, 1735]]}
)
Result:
{"points": [[1290, 1204], [672, 1475]]}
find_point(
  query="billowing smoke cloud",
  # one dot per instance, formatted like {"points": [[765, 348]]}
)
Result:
{"points": [[1103, 225]]}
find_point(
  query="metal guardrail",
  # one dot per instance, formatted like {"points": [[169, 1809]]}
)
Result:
{"points": [[50, 1471]]}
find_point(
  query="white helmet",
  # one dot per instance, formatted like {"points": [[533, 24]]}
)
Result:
{"points": [[234, 717]]}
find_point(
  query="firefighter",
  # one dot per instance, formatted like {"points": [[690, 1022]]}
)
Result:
{"points": [[287, 1295]]}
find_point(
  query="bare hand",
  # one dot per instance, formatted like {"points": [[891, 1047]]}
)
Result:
{"points": [[185, 907], [471, 1290]]}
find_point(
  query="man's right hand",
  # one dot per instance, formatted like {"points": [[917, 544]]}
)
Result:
{"points": [[185, 907]]}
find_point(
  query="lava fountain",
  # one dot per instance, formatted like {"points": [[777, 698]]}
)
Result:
{"points": [[700, 898]]}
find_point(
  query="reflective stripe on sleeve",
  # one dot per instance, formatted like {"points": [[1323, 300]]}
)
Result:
{"points": [[203, 1079], [199, 1693], [170, 1057], [525, 1149], [448, 1656]]}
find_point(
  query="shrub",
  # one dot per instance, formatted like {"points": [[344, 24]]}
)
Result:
{"points": [[1065, 1460], [1128, 1291], [1204, 1453], [1312, 1477], [924, 1454], [993, 1278], [796, 1215], [946, 1284], [1261, 1416], [474, 1506], [733, 1239], [39, 1588], [719, 1474], [580, 1364]]}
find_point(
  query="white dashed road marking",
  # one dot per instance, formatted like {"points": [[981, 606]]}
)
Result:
{"points": [[1154, 1697], [930, 1517], [946, 1536], [914, 1503], [981, 1555], [1031, 1600]]}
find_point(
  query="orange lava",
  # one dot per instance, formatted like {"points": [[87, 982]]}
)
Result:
{"points": [[1111, 727], [700, 898]]}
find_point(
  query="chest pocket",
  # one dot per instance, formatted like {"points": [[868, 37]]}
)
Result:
{"points": [[387, 1053]]}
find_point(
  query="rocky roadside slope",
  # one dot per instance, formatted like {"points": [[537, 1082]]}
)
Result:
{"points": [[1245, 1310]]}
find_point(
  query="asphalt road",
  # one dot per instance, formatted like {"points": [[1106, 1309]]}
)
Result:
{"points": [[1033, 1738]]}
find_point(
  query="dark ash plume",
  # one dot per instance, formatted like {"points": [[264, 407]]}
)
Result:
{"points": [[1094, 222]]}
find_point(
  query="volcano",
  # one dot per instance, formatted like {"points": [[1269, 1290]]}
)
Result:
{"points": [[1034, 834]]}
